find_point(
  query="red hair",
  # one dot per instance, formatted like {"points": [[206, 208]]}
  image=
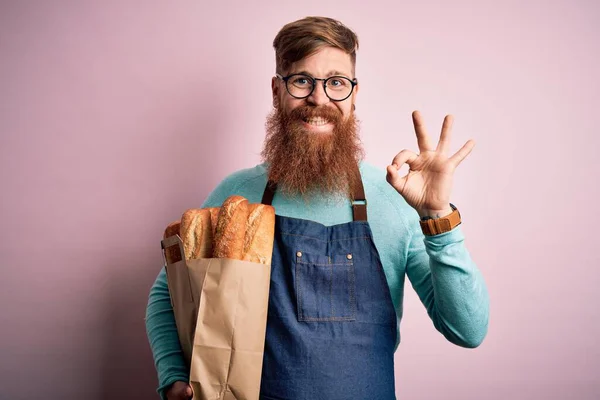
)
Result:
{"points": [[304, 37]]}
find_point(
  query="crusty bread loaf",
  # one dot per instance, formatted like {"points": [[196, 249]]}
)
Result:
{"points": [[237, 230], [260, 229], [214, 217], [196, 233], [204, 245], [228, 241], [172, 253]]}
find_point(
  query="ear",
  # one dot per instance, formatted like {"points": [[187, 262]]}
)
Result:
{"points": [[275, 91]]}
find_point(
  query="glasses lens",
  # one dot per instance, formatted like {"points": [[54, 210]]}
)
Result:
{"points": [[338, 87], [300, 85]]}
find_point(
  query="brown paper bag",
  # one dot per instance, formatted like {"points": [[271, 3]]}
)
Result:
{"points": [[220, 308]]}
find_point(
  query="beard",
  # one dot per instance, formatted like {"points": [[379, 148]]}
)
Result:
{"points": [[305, 163]]}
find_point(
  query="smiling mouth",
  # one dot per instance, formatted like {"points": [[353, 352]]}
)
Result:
{"points": [[318, 121]]}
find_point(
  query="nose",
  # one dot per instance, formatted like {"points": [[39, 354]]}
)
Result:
{"points": [[318, 96]]}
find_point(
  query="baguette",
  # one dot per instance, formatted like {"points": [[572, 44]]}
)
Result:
{"points": [[214, 217], [172, 253], [260, 229], [228, 241], [237, 230], [196, 233]]}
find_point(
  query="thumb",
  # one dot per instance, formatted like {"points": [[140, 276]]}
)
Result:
{"points": [[188, 391]]}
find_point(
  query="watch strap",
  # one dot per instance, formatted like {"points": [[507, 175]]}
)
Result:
{"points": [[435, 226]]}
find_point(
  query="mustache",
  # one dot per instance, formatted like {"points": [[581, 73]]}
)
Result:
{"points": [[307, 112]]}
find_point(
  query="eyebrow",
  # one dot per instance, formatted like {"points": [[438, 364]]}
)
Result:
{"points": [[330, 73]]}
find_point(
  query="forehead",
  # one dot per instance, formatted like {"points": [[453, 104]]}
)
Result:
{"points": [[325, 62]]}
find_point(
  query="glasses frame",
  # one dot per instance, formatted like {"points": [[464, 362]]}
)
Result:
{"points": [[285, 79]]}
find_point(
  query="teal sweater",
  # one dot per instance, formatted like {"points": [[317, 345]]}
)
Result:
{"points": [[439, 267]]}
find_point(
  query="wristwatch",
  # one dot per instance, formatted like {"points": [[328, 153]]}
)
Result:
{"points": [[435, 226]]}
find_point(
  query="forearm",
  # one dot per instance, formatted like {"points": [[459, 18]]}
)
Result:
{"points": [[162, 336], [460, 293], [452, 288]]}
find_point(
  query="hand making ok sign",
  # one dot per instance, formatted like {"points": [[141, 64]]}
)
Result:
{"points": [[428, 184]]}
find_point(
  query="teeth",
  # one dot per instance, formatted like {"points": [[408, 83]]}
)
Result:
{"points": [[317, 121]]}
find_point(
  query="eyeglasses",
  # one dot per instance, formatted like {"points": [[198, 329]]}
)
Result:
{"points": [[300, 86]]}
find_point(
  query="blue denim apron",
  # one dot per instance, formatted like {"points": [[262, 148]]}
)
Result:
{"points": [[331, 328]]}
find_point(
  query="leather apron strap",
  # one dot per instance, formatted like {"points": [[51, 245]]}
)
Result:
{"points": [[359, 204]]}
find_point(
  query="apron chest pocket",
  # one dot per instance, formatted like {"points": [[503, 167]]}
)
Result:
{"points": [[325, 287]]}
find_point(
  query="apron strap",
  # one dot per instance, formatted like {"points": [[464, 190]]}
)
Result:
{"points": [[269, 193], [359, 204]]}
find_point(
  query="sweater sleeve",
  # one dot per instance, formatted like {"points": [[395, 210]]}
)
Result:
{"points": [[162, 336], [449, 284], [160, 319]]}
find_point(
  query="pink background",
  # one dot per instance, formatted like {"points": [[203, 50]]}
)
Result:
{"points": [[117, 116]]}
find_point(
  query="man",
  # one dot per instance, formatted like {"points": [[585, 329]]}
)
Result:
{"points": [[339, 263]]}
